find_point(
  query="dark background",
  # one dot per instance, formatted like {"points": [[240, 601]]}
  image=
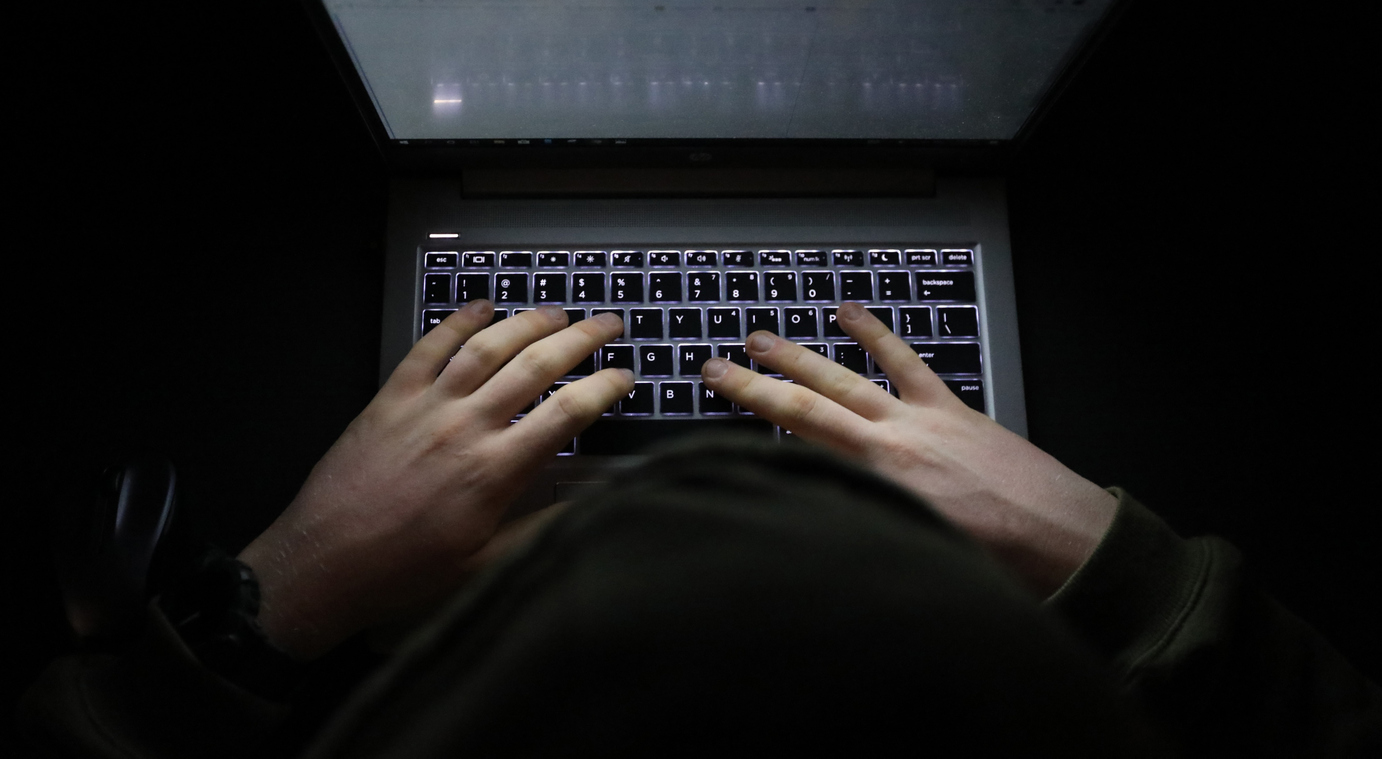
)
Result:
{"points": [[206, 213]]}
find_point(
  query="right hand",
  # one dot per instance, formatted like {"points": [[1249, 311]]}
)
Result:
{"points": [[1034, 514]]}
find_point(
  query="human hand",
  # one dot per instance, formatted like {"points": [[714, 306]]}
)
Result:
{"points": [[416, 485], [1028, 509]]}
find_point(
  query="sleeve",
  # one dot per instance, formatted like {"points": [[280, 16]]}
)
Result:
{"points": [[1226, 670], [155, 701]]}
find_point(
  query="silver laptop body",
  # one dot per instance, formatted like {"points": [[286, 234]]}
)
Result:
{"points": [[713, 162]]}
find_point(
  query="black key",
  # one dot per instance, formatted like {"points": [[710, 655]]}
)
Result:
{"points": [[920, 257], [655, 360], [500, 314], [478, 259], [741, 285], [957, 257], [436, 288], [684, 322], [690, 358], [646, 323], [549, 288], [638, 402], [627, 258], [569, 449], [848, 257], [950, 358], [724, 322], [761, 369], [957, 321], [821, 348], [780, 285], [591, 258], [554, 258], [801, 322], [676, 398], [883, 314], [574, 315], [664, 287], [617, 357], [471, 287], [588, 288], [703, 286], [737, 257], [612, 437], [811, 258], [626, 288], [945, 285], [852, 357], [431, 318], [516, 259], [969, 391], [885, 258], [735, 353], [832, 326], [585, 368], [702, 258], [763, 318], [894, 285], [856, 285], [774, 258], [914, 322], [818, 285], [598, 311], [441, 260], [511, 288], [712, 402], [664, 258]]}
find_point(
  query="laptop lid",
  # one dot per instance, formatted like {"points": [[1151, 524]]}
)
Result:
{"points": [[456, 85]]}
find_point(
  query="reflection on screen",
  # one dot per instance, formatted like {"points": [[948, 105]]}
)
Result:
{"points": [[894, 69]]}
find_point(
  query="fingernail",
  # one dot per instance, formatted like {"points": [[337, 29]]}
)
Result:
{"points": [[760, 343], [479, 307], [850, 311], [553, 312], [628, 374], [613, 320], [715, 368]]}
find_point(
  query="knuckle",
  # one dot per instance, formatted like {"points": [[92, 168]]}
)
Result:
{"points": [[800, 404], [572, 406], [537, 362]]}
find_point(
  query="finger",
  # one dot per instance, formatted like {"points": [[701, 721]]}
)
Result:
{"points": [[539, 365], [803, 411], [418, 369], [821, 374], [492, 348], [566, 412], [914, 380]]}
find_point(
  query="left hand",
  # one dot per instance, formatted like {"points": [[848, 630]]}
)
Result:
{"points": [[391, 517]]}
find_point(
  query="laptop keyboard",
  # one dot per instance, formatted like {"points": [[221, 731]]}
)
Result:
{"points": [[681, 306]]}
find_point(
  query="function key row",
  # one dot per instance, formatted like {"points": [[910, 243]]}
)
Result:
{"points": [[700, 286], [637, 259]]}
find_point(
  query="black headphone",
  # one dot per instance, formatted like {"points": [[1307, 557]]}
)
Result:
{"points": [[107, 533]]}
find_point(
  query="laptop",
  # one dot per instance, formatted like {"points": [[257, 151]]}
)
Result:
{"points": [[707, 168]]}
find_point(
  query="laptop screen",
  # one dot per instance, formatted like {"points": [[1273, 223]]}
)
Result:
{"points": [[578, 70]]}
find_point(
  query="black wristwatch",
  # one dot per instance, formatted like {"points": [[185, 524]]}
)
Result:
{"points": [[216, 613]]}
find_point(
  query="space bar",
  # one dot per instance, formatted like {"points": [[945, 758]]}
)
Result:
{"points": [[613, 437]]}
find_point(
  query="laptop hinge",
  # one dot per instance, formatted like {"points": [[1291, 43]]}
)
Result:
{"points": [[699, 182]]}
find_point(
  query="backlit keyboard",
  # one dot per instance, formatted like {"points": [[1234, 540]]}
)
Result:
{"points": [[681, 306]]}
